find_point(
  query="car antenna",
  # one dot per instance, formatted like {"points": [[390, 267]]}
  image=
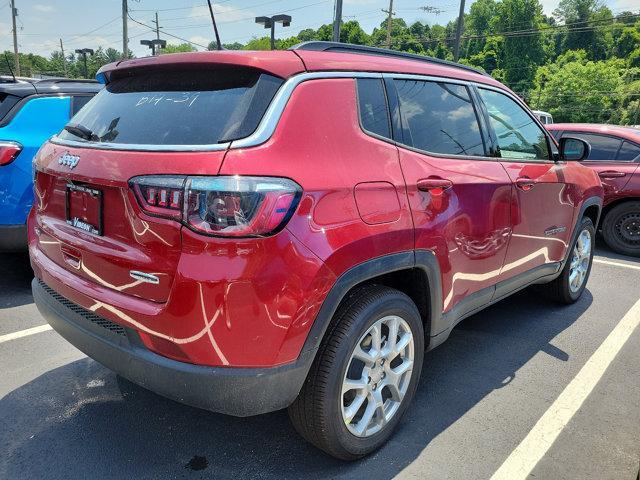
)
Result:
{"points": [[215, 27], [9, 65]]}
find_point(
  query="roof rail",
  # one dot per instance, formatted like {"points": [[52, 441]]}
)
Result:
{"points": [[66, 80], [320, 46]]}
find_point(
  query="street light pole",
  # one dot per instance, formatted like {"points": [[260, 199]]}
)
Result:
{"points": [[155, 45], [84, 52], [270, 22]]}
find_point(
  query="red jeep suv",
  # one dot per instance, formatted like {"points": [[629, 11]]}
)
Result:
{"points": [[615, 156], [249, 231]]}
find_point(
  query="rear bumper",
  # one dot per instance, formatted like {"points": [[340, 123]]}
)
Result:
{"points": [[233, 391], [13, 238]]}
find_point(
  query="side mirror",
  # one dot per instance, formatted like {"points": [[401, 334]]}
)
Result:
{"points": [[574, 149]]}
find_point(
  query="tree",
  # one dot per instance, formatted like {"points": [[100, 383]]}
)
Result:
{"points": [[478, 23], [521, 54], [574, 89], [183, 47], [580, 15], [628, 41]]}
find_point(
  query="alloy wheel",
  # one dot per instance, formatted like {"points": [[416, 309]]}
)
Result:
{"points": [[378, 376], [580, 261]]}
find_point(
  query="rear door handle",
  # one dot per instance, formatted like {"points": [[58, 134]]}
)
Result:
{"points": [[525, 183], [431, 184], [611, 174]]}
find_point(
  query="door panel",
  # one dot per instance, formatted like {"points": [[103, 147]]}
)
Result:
{"points": [[467, 225], [542, 215], [460, 204], [613, 160], [541, 209]]}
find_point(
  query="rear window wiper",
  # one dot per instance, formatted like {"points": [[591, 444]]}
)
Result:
{"points": [[80, 131]]}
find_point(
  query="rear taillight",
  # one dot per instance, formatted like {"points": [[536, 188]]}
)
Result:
{"points": [[160, 195], [227, 206], [8, 152]]}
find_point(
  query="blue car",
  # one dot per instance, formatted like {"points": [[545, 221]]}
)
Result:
{"points": [[30, 113]]}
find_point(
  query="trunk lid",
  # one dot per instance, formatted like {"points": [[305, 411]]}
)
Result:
{"points": [[131, 242]]}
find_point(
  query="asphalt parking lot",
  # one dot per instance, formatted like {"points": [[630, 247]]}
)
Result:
{"points": [[491, 386]]}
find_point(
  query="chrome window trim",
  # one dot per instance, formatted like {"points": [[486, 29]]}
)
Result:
{"points": [[272, 116], [139, 147], [263, 132], [270, 119]]}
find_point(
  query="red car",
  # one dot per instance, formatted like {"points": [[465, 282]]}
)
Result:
{"points": [[249, 231], [615, 156]]}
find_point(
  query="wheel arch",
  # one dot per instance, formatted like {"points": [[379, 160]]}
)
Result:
{"points": [[415, 273]]}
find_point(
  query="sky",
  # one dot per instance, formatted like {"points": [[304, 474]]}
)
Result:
{"points": [[89, 24]]}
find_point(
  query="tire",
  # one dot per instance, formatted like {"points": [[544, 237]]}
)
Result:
{"points": [[318, 412], [621, 229], [561, 289]]}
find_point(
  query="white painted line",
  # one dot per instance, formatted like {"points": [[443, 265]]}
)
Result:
{"points": [[24, 333], [535, 445], [616, 264]]}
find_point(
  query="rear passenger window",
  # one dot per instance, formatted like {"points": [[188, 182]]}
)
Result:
{"points": [[372, 105], [628, 152], [439, 118], [519, 136], [78, 102], [603, 148]]}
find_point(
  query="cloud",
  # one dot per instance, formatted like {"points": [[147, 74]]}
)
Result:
{"points": [[4, 29], [39, 7], [223, 13], [200, 40]]}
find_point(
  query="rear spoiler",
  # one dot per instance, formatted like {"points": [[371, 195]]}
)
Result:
{"points": [[282, 64]]}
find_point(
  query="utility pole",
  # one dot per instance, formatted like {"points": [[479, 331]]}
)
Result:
{"points": [[337, 21], [125, 33], [64, 59], [14, 14], [389, 18], [157, 27], [456, 51]]}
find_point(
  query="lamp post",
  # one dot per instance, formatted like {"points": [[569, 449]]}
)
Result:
{"points": [[155, 45], [270, 22], [84, 52]]}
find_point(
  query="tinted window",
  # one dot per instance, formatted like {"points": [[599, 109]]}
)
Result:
{"points": [[628, 152], [186, 107], [372, 104], [6, 103], [518, 134], [439, 117], [78, 102], [603, 148]]}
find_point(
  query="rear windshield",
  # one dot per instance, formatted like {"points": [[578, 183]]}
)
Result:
{"points": [[186, 107]]}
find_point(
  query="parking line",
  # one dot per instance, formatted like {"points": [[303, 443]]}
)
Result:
{"points": [[616, 264], [538, 441], [24, 333]]}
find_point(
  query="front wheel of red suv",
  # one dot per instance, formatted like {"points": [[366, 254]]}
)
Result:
{"points": [[364, 375], [568, 287], [621, 228]]}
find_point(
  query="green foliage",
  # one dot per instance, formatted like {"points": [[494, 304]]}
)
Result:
{"points": [[183, 47], [581, 91]]}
